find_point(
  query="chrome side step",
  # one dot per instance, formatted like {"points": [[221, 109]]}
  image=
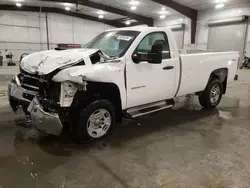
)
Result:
{"points": [[148, 109]]}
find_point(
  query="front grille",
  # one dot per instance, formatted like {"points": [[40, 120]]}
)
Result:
{"points": [[43, 85], [30, 82]]}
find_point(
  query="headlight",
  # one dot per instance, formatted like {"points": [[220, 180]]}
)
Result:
{"points": [[16, 80]]}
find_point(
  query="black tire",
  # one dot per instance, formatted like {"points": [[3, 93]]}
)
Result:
{"points": [[205, 97], [13, 104], [80, 132]]}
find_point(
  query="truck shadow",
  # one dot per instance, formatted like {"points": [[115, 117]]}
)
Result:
{"points": [[182, 119]]}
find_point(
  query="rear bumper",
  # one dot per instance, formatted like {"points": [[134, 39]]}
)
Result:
{"points": [[44, 121]]}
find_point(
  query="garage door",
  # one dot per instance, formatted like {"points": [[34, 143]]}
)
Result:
{"points": [[179, 37], [227, 37]]}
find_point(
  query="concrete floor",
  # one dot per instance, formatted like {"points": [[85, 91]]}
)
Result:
{"points": [[185, 147]]}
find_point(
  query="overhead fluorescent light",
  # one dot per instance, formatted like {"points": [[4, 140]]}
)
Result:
{"points": [[220, 1], [163, 12], [101, 16], [18, 4], [67, 8], [162, 16], [66, 4], [133, 7], [218, 6], [101, 12], [128, 22], [163, 8]]}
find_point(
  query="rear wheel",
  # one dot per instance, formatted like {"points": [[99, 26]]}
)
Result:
{"points": [[211, 96], [95, 121]]}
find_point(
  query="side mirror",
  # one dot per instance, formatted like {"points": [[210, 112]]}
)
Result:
{"points": [[136, 58], [156, 53]]}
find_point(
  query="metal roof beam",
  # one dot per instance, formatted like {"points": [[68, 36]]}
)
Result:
{"points": [[189, 12], [60, 11], [104, 7]]}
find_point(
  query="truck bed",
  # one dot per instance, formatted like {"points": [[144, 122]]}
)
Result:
{"points": [[196, 68]]}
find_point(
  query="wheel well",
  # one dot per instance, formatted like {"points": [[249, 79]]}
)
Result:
{"points": [[220, 74], [98, 90]]}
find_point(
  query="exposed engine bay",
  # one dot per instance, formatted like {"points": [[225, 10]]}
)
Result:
{"points": [[53, 94]]}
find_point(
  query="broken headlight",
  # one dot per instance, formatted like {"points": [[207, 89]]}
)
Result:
{"points": [[68, 90]]}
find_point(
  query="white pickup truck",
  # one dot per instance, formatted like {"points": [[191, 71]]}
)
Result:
{"points": [[125, 72]]}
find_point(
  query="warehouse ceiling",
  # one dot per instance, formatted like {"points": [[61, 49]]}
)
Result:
{"points": [[119, 12], [151, 9]]}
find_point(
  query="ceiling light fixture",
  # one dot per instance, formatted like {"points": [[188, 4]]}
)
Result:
{"points": [[101, 16], [133, 8], [128, 22], [162, 16], [101, 12], [134, 3], [163, 12], [66, 4], [163, 8], [181, 19], [218, 6], [220, 1], [18, 4], [67, 8]]}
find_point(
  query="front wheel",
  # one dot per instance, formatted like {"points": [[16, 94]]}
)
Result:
{"points": [[95, 121], [211, 96]]}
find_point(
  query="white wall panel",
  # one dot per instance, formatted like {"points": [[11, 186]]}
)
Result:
{"points": [[202, 24], [19, 19], [34, 35], [26, 31], [175, 20], [4, 17], [212, 14], [35, 47], [17, 46], [6, 33], [20, 34], [33, 20]]}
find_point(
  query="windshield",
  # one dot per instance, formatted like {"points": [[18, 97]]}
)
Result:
{"points": [[113, 43]]}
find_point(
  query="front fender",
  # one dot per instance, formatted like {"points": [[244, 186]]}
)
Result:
{"points": [[103, 72]]}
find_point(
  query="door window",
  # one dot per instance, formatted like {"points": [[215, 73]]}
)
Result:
{"points": [[147, 42]]}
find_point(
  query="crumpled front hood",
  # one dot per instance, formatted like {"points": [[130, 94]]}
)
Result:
{"points": [[47, 61]]}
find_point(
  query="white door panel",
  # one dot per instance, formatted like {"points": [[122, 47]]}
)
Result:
{"points": [[148, 83]]}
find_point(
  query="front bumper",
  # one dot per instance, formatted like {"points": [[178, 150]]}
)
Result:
{"points": [[44, 121], [18, 93]]}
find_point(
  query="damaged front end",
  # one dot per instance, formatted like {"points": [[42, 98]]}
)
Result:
{"points": [[49, 98]]}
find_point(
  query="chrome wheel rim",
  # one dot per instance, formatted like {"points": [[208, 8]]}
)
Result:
{"points": [[99, 123], [215, 94]]}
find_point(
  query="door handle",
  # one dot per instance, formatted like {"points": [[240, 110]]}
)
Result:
{"points": [[168, 67]]}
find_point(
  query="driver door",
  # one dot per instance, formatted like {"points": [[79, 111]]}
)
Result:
{"points": [[146, 82]]}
